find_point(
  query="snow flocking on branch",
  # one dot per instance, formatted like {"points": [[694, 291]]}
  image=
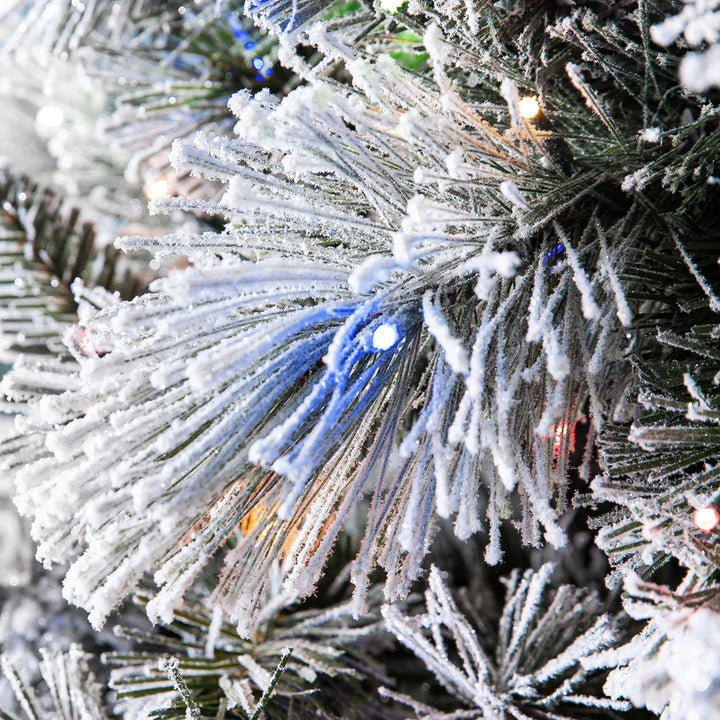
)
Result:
{"points": [[253, 384], [672, 666], [699, 23], [296, 657], [67, 684], [537, 669]]}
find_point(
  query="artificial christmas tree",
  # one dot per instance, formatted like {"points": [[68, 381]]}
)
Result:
{"points": [[427, 302]]}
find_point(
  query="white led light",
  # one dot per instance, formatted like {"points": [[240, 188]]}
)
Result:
{"points": [[49, 120], [156, 189], [529, 107], [385, 336]]}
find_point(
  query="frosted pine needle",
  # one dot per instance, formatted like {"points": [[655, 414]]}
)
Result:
{"points": [[671, 667], [536, 666], [251, 385], [249, 678], [68, 690]]}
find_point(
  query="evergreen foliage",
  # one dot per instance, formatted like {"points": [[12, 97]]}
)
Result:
{"points": [[298, 664], [453, 264], [544, 653], [46, 250]]}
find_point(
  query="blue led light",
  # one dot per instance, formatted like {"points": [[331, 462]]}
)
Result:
{"points": [[236, 28], [268, 72], [385, 336], [258, 63], [250, 44], [259, 77], [553, 252]]}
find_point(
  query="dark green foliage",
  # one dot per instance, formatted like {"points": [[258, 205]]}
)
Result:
{"points": [[44, 248], [670, 464], [298, 663]]}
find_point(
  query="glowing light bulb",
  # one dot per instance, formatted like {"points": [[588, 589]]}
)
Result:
{"points": [[529, 107], [49, 120], [706, 519], [391, 6], [253, 516], [385, 336], [156, 189]]}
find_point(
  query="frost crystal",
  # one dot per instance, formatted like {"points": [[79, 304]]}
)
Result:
{"points": [[510, 190], [537, 669], [263, 388], [650, 135], [672, 667]]}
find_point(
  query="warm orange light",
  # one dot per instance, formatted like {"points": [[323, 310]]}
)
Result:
{"points": [[529, 107], [706, 519], [293, 532], [252, 518], [561, 431], [156, 189]]}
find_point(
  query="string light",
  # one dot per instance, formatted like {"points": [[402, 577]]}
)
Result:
{"points": [[49, 120], [529, 107], [156, 189], [385, 336], [706, 519], [253, 516]]}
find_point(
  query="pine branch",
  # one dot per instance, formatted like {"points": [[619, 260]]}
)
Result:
{"points": [[671, 666], [69, 691], [542, 666], [397, 232], [199, 663], [55, 27], [665, 468], [44, 251], [433, 265], [176, 77]]}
